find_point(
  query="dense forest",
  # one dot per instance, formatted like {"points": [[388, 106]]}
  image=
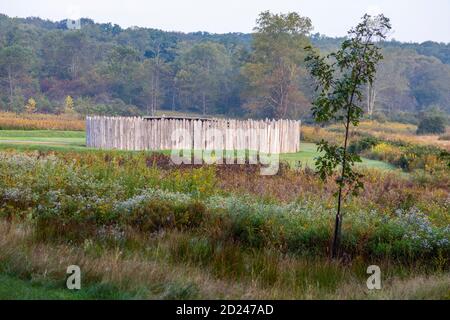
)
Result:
{"points": [[105, 69]]}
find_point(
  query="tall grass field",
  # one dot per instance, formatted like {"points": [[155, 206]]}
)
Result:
{"points": [[141, 227]]}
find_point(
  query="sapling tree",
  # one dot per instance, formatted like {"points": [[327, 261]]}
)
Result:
{"points": [[340, 79]]}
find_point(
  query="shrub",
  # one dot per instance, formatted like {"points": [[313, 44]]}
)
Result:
{"points": [[110, 196], [409, 157], [180, 291], [432, 124], [380, 117], [404, 117], [387, 152], [363, 144], [76, 218], [158, 215]]}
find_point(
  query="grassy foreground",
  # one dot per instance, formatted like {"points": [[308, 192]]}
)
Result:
{"points": [[141, 228], [13, 288], [31, 270]]}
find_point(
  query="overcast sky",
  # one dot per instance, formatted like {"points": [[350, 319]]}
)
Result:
{"points": [[413, 20]]}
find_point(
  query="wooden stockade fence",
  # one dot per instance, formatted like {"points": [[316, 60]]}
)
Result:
{"points": [[137, 133]]}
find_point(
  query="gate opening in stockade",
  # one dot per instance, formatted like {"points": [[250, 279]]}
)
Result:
{"points": [[175, 133]]}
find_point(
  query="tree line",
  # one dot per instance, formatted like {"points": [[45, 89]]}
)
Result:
{"points": [[105, 69]]}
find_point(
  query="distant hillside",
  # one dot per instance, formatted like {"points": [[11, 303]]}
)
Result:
{"points": [[109, 70]]}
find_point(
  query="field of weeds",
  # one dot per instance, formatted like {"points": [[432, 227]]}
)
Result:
{"points": [[140, 227]]}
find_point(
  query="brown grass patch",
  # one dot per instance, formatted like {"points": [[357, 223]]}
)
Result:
{"points": [[13, 121]]}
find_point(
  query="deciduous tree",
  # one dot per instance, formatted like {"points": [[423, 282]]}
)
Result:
{"points": [[203, 70], [276, 68], [341, 78], [30, 107]]}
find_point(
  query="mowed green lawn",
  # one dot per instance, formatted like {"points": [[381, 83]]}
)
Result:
{"points": [[75, 141], [42, 140], [308, 153]]}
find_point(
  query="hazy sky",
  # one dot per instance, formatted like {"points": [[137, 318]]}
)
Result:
{"points": [[413, 20]]}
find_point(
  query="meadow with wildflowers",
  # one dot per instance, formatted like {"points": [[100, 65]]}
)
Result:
{"points": [[249, 235]]}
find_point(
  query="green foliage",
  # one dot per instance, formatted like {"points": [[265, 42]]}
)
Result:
{"points": [[159, 215], [105, 106], [340, 84], [17, 103], [410, 157], [277, 61], [340, 77], [203, 69], [14, 288], [68, 105], [30, 107], [332, 157], [109, 197], [365, 143], [432, 124], [138, 71], [180, 291]]}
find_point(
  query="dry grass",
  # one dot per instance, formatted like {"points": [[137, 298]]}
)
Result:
{"points": [[28, 259], [13, 121], [419, 287], [386, 191], [413, 139], [388, 127], [150, 272], [316, 134], [393, 131], [390, 131]]}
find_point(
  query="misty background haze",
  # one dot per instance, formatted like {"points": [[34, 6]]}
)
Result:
{"points": [[413, 20]]}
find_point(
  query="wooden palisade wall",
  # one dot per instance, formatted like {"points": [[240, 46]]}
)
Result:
{"points": [[135, 133]]}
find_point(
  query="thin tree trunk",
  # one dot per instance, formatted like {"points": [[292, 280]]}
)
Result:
{"points": [[371, 96], [10, 87], [338, 221], [204, 103], [173, 101]]}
